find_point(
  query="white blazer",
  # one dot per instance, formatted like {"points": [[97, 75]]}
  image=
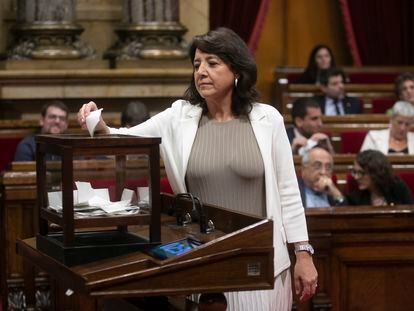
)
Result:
{"points": [[177, 126], [380, 139]]}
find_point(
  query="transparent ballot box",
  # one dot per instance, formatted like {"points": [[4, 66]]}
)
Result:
{"points": [[95, 188]]}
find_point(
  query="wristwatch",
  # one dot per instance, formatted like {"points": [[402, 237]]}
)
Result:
{"points": [[304, 248]]}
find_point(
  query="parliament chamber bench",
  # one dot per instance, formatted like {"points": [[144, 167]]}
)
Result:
{"points": [[359, 250], [347, 132], [363, 74], [12, 131], [372, 84], [374, 98], [402, 165]]}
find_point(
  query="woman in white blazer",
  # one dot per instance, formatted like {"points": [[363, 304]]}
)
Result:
{"points": [[397, 139], [222, 91]]}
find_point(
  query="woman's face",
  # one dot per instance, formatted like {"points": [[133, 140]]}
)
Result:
{"points": [[407, 91], [363, 178], [323, 59], [400, 125], [213, 77]]}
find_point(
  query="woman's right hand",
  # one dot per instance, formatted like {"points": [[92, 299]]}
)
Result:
{"points": [[84, 112]]}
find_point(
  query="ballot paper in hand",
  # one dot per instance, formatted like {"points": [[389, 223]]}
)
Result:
{"points": [[92, 121]]}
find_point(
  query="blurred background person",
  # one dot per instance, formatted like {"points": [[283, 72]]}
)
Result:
{"points": [[53, 120], [376, 183], [397, 138], [334, 100], [404, 87], [321, 58], [316, 185], [134, 113], [307, 125]]}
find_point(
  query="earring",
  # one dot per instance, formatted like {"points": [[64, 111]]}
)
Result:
{"points": [[235, 82]]}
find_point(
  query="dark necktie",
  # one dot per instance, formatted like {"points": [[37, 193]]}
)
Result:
{"points": [[336, 103]]}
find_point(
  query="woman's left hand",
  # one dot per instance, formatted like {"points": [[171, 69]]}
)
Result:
{"points": [[305, 276]]}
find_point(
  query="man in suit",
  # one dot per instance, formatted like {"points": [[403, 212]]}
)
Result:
{"points": [[53, 120], [316, 186], [307, 124], [334, 101]]}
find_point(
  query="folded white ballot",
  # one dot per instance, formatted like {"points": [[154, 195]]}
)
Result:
{"points": [[92, 121], [86, 197]]}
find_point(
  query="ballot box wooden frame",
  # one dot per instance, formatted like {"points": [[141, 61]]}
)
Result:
{"points": [[73, 247], [237, 256]]}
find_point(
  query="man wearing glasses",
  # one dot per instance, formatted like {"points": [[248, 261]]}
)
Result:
{"points": [[316, 186], [53, 120]]}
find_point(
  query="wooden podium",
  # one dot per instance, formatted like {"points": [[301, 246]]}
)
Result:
{"points": [[238, 255]]}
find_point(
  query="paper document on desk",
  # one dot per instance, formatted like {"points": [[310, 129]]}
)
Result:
{"points": [[92, 121]]}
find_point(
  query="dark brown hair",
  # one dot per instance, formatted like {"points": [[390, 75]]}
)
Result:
{"points": [[398, 84], [54, 103], [232, 50]]}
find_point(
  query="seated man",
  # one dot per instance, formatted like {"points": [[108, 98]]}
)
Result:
{"points": [[316, 186], [307, 124], [334, 101], [53, 120]]}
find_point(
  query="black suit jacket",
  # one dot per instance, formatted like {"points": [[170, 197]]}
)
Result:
{"points": [[290, 133], [352, 105]]}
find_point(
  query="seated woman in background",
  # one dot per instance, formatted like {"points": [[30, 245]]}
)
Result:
{"points": [[376, 183], [404, 87], [321, 58], [397, 138]]}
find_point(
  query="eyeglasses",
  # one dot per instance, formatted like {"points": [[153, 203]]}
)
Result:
{"points": [[55, 116], [357, 173], [318, 166]]}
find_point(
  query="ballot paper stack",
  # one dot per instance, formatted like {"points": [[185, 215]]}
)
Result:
{"points": [[89, 202]]}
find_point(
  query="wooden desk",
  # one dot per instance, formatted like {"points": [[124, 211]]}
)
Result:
{"points": [[364, 256], [241, 244]]}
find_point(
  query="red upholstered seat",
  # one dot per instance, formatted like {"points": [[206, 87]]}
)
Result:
{"points": [[381, 105], [351, 141], [408, 178], [8, 148], [372, 77]]}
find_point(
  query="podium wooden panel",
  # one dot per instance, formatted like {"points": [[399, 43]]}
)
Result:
{"points": [[364, 256], [237, 256]]}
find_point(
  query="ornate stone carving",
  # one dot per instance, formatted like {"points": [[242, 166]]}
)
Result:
{"points": [[149, 29], [46, 29]]}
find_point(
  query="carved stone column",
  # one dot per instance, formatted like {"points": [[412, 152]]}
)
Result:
{"points": [[47, 29], [149, 29]]}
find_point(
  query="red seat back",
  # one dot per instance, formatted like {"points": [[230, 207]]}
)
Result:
{"points": [[381, 105], [351, 141], [408, 178], [8, 149]]}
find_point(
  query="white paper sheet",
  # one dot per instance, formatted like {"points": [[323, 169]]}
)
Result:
{"points": [[91, 202], [92, 121], [143, 194]]}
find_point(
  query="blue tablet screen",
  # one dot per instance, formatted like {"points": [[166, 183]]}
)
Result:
{"points": [[172, 249]]}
